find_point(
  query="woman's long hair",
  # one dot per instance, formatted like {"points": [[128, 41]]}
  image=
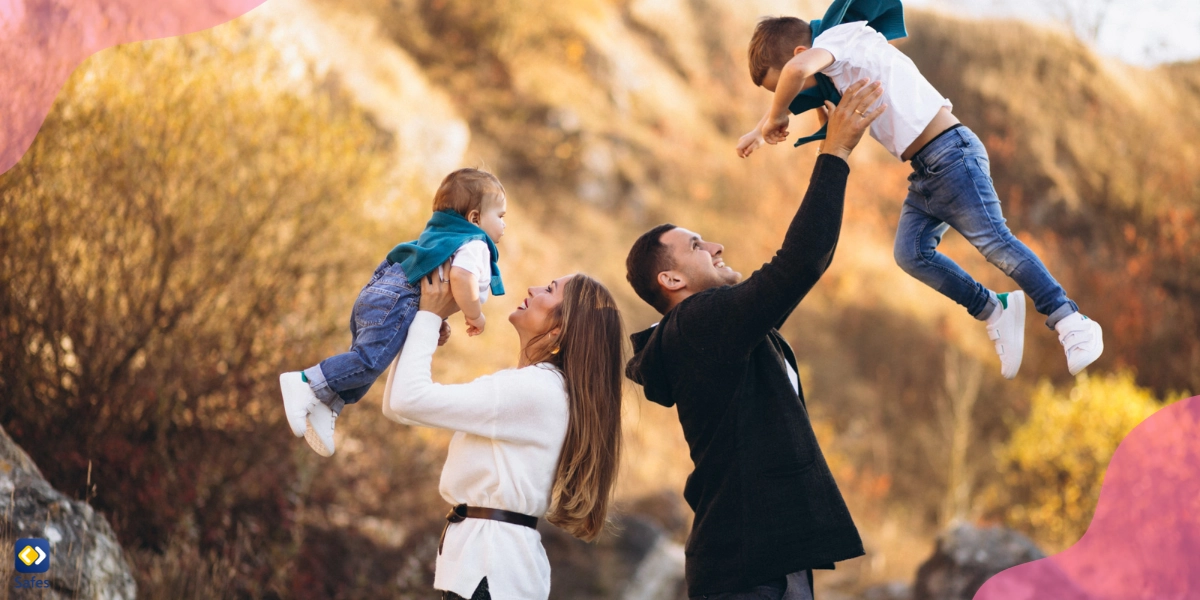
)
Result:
{"points": [[589, 357]]}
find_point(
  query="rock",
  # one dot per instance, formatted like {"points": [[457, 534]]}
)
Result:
{"points": [[966, 556], [666, 509], [660, 574], [86, 562], [633, 560], [381, 77]]}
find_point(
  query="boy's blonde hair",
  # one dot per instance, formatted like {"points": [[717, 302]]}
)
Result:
{"points": [[464, 191], [774, 42]]}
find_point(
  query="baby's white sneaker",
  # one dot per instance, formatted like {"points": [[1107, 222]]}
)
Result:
{"points": [[1006, 328], [1082, 340], [298, 400], [319, 433]]}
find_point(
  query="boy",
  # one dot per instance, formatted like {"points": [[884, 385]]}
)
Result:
{"points": [[468, 219], [951, 183]]}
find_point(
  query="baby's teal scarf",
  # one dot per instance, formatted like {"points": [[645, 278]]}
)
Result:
{"points": [[445, 233]]}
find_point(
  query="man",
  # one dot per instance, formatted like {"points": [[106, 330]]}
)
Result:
{"points": [[767, 508]]}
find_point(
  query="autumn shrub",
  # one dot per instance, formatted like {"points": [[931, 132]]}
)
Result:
{"points": [[1053, 466], [171, 242]]}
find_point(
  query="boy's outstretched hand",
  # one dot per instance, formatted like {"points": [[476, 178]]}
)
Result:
{"points": [[850, 118], [749, 143], [775, 129]]}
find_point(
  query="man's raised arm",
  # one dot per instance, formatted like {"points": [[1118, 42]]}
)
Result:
{"points": [[735, 319]]}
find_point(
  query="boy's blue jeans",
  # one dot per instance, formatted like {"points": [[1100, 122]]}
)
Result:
{"points": [[379, 325], [951, 186]]}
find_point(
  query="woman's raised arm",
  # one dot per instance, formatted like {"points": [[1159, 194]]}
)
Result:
{"points": [[512, 405], [410, 395]]}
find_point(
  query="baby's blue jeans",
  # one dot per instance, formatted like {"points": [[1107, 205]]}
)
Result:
{"points": [[951, 186], [379, 325]]}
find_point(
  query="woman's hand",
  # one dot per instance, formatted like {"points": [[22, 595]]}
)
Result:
{"points": [[435, 293], [850, 118], [444, 333]]}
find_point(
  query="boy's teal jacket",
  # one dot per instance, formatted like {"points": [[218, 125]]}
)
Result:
{"points": [[884, 16], [445, 232]]}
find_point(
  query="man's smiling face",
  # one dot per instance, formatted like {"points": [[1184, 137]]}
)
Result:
{"points": [[699, 263]]}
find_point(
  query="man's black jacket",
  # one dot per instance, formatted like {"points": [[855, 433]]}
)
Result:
{"points": [[766, 503]]}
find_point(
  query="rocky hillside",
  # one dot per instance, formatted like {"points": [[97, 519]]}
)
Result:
{"points": [[88, 562], [605, 118]]}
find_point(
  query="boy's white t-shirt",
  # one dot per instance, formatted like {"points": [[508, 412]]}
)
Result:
{"points": [[475, 257], [860, 52]]}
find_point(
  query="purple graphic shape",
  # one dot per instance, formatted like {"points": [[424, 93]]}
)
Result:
{"points": [[1144, 539], [42, 41]]}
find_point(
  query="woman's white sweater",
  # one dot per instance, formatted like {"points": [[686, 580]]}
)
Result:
{"points": [[510, 429]]}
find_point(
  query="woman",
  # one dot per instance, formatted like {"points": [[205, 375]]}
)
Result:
{"points": [[543, 439]]}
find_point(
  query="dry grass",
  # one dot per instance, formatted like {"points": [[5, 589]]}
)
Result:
{"points": [[7, 539], [6, 567], [182, 572]]}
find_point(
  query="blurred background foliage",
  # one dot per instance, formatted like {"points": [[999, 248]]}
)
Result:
{"points": [[197, 215], [1052, 466]]}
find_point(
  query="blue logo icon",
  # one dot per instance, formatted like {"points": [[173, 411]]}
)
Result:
{"points": [[33, 555]]}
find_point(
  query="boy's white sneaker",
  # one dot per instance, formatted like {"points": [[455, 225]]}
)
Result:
{"points": [[1082, 340], [298, 400], [319, 433], [1006, 328]]}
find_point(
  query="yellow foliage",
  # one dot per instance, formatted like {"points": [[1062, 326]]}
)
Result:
{"points": [[1054, 463], [179, 233]]}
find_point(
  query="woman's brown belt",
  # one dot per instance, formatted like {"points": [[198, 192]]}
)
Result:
{"points": [[463, 512]]}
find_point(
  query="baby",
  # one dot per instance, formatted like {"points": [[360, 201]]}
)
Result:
{"points": [[805, 64], [468, 220]]}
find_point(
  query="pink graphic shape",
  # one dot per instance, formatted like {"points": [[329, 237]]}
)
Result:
{"points": [[1144, 539], [42, 41]]}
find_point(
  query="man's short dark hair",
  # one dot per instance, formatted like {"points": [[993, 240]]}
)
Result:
{"points": [[774, 42], [647, 258]]}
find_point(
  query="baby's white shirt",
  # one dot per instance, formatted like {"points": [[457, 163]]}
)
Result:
{"points": [[860, 52], [475, 257]]}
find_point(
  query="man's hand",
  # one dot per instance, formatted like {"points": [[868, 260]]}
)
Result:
{"points": [[775, 128], [749, 143], [850, 119], [476, 326], [444, 333]]}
